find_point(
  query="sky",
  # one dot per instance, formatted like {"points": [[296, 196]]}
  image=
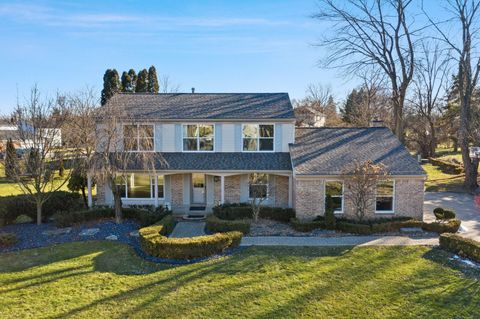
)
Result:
{"points": [[214, 46]]}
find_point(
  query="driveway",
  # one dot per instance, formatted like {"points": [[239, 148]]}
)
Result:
{"points": [[463, 205]]}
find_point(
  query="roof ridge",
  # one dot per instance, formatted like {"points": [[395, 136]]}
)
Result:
{"points": [[200, 93], [340, 127]]}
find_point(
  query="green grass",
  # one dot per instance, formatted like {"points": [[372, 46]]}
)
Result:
{"points": [[107, 280], [438, 181]]}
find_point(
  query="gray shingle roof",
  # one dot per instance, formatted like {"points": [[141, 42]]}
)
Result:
{"points": [[328, 151], [219, 162], [208, 106]]}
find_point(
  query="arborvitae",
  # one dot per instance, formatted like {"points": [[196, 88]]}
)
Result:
{"points": [[125, 82], [111, 85], [142, 81], [10, 159], [133, 79], [152, 80]]}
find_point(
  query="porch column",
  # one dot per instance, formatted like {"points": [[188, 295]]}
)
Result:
{"points": [[155, 183], [89, 188], [222, 189], [290, 191]]}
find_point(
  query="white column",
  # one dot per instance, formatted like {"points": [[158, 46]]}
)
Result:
{"points": [[222, 189], [155, 183], [89, 187], [290, 191]]}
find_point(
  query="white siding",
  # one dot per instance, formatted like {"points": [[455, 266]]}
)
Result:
{"points": [[288, 136], [168, 138], [227, 138]]}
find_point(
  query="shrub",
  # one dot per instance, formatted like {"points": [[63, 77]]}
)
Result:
{"points": [[329, 213], [459, 245], [244, 211], [450, 226], [154, 242], [23, 219], [306, 226], [14, 206], [438, 212], [7, 239], [360, 229], [217, 225], [449, 214]]}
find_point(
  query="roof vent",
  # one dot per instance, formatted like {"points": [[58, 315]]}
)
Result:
{"points": [[193, 90]]}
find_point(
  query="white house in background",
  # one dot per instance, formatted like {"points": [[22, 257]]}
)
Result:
{"points": [[210, 144]]}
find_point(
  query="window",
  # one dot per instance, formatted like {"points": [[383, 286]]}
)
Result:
{"points": [[384, 196], [258, 137], [258, 185], [140, 186], [335, 190], [198, 137], [138, 137]]}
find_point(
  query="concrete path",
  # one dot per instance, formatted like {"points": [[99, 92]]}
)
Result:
{"points": [[462, 203], [338, 241], [188, 229]]}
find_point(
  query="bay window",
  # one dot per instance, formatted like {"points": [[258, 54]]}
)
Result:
{"points": [[258, 137], [138, 137], [335, 190], [198, 137], [385, 195]]}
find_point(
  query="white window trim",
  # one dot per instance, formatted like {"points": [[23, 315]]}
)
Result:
{"points": [[268, 187], [138, 137], [393, 201], [152, 177], [336, 212], [258, 138], [198, 138]]}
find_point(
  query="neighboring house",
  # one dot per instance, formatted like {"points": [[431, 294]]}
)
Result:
{"points": [[208, 145], [307, 116], [11, 131]]}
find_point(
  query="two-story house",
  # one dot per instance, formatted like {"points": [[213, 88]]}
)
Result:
{"points": [[209, 145]]}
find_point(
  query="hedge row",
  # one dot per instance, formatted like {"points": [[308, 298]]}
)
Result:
{"points": [[446, 166], [306, 226], [13, 206], [143, 216], [463, 246], [154, 242], [8, 239], [244, 211], [217, 225]]}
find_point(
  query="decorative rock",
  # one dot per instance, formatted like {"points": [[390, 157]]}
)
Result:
{"points": [[134, 233], [112, 237], [89, 231], [411, 230], [59, 231]]}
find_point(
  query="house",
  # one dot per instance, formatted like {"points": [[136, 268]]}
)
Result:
{"points": [[11, 131], [206, 147], [308, 116]]}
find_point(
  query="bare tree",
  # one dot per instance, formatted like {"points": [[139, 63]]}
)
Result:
{"points": [[167, 86], [465, 19], [39, 122], [372, 33], [258, 192], [429, 85], [360, 180], [122, 145], [318, 101]]}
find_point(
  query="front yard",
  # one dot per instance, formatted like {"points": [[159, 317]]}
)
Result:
{"points": [[102, 279]]}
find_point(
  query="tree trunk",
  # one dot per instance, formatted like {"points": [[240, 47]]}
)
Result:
{"points": [[433, 140], [85, 199], [117, 202], [39, 212]]}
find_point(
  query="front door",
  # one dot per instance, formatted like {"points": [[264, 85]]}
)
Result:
{"points": [[198, 188]]}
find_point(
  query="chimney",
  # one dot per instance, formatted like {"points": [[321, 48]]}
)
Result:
{"points": [[193, 90], [377, 123]]}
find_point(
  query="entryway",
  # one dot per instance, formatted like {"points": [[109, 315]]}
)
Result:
{"points": [[198, 189]]}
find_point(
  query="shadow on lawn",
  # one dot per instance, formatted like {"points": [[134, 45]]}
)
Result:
{"points": [[443, 258]]}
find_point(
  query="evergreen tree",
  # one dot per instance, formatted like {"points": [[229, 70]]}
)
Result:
{"points": [[10, 159], [129, 81], [111, 85], [350, 108], [133, 79], [78, 182], [142, 81], [152, 80]]}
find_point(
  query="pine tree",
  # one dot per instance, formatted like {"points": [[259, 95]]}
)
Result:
{"points": [[350, 108], [152, 80], [111, 85], [142, 81], [10, 159]]}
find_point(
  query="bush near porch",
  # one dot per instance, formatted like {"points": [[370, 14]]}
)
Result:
{"points": [[244, 211]]}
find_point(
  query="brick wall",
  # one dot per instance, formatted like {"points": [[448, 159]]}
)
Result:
{"points": [[176, 182], [232, 189], [309, 198], [281, 191], [409, 198], [217, 184]]}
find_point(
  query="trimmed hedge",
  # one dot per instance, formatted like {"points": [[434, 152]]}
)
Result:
{"points": [[8, 239], [462, 246], [13, 206], [143, 216], [450, 226], [217, 225], [306, 226], [443, 214], [360, 229], [154, 242], [446, 166], [244, 211]]}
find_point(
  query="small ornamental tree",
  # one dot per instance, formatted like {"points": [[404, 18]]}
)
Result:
{"points": [[360, 180], [329, 213], [10, 159], [258, 192]]}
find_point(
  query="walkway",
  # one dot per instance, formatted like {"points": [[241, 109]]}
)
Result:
{"points": [[338, 241], [188, 229]]}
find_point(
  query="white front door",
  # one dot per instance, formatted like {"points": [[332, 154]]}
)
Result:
{"points": [[198, 188]]}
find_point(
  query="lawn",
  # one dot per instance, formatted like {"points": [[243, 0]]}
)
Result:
{"points": [[107, 280], [438, 181]]}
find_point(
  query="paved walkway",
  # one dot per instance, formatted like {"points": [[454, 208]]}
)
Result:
{"points": [[462, 203], [188, 229], [338, 241]]}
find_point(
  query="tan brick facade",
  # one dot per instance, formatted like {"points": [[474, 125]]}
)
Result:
{"points": [[177, 190], [232, 189], [310, 200], [100, 198], [281, 191]]}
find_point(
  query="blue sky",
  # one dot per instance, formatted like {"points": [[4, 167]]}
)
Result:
{"points": [[214, 46]]}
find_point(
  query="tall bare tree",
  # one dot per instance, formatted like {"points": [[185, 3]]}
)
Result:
{"points": [[39, 121], [464, 20], [372, 33], [167, 86]]}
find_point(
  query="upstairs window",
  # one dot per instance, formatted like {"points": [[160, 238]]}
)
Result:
{"points": [[198, 137], [384, 196], [258, 137], [258, 185], [138, 137], [335, 190]]}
